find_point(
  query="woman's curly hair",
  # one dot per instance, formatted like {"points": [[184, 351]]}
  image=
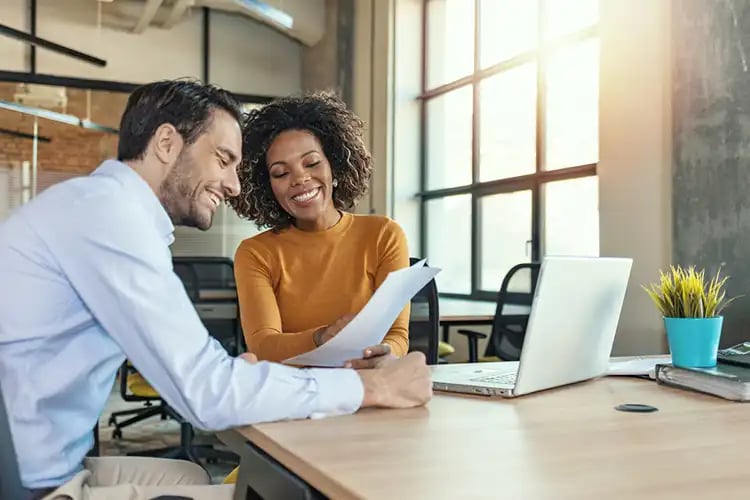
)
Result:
{"points": [[340, 134]]}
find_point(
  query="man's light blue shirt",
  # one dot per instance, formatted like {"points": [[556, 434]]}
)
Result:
{"points": [[86, 280]]}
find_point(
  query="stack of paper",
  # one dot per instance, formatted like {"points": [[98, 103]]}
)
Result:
{"points": [[638, 366], [370, 326]]}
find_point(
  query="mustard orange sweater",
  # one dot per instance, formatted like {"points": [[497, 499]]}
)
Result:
{"points": [[293, 282]]}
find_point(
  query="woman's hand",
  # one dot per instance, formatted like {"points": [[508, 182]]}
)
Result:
{"points": [[372, 357], [249, 357], [323, 335]]}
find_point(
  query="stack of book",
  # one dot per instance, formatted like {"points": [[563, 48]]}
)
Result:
{"points": [[729, 381]]}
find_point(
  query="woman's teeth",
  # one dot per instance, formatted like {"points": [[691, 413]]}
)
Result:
{"points": [[306, 196]]}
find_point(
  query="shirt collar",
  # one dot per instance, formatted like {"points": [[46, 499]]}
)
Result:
{"points": [[146, 196]]}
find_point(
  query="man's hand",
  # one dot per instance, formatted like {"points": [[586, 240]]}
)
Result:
{"points": [[401, 383], [372, 357], [323, 335]]}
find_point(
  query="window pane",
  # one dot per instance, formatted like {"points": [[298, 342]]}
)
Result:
{"points": [[571, 217], [449, 139], [508, 28], [572, 106], [450, 40], [505, 235], [567, 16], [507, 141], [449, 242]]}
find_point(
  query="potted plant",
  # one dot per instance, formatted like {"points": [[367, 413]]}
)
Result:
{"points": [[691, 308]]}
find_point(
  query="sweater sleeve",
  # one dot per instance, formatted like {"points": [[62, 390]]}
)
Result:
{"points": [[393, 254], [259, 311]]}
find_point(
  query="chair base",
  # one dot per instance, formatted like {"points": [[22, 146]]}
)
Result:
{"points": [[186, 450], [140, 414]]}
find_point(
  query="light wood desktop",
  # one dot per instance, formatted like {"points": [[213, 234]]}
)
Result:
{"points": [[567, 442], [460, 307]]}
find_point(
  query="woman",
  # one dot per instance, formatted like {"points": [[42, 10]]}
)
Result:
{"points": [[304, 165]]}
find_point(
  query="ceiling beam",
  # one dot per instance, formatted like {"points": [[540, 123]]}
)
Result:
{"points": [[46, 44], [148, 14], [178, 11], [105, 85]]}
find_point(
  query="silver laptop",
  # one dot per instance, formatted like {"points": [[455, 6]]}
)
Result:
{"points": [[569, 336]]}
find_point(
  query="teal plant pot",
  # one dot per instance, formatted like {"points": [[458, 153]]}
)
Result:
{"points": [[693, 342]]}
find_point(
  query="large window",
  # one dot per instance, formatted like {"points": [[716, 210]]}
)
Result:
{"points": [[510, 93]]}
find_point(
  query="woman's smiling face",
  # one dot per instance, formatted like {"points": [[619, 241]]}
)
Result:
{"points": [[302, 180]]}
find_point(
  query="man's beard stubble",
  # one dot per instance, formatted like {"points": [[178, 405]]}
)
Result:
{"points": [[178, 196]]}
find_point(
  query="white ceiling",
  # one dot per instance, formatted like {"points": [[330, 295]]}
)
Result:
{"points": [[302, 20]]}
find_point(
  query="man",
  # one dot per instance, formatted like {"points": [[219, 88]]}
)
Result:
{"points": [[88, 280]]}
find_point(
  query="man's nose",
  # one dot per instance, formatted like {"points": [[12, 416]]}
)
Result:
{"points": [[232, 183]]}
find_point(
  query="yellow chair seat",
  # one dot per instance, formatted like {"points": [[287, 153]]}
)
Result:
{"points": [[139, 387], [445, 349], [232, 476]]}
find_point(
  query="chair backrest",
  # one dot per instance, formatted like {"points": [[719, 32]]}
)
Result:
{"points": [[126, 370], [512, 311], [424, 321], [207, 278], [210, 284], [10, 477]]}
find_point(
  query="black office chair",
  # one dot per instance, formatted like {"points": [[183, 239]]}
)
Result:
{"points": [[424, 321], [508, 330], [135, 389], [210, 284], [94, 452], [10, 476]]}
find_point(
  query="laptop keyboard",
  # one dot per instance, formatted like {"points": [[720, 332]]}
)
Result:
{"points": [[502, 379]]}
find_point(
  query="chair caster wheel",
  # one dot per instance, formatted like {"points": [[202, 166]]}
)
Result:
{"points": [[117, 434]]}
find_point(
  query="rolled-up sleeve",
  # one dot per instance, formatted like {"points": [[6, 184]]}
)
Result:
{"points": [[122, 269]]}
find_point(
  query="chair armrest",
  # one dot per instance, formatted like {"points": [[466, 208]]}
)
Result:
{"points": [[472, 334], [473, 338]]}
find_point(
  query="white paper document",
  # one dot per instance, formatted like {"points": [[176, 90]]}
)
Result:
{"points": [[372, 323], [638, 366]]}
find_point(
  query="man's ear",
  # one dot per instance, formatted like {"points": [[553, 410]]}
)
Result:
{"points": [[167, 143]]}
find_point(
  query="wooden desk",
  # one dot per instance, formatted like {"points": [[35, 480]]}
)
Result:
{"points": [[460, 307], [447, 322], [458, 320], [562, 443], [457, 312]]}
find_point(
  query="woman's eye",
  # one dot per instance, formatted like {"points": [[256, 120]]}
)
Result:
{"points": [[279, 176], [314, 164]]}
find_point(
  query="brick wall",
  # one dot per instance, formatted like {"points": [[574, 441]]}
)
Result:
{"points": [[72, 149]]}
